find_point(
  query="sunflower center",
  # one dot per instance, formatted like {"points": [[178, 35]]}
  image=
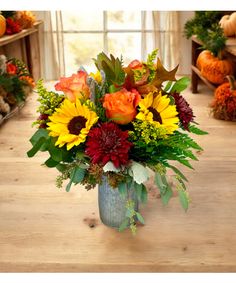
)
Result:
{"points": [[156, 115], [76, 125]]}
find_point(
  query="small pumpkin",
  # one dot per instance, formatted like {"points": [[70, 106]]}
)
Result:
{"points": [[224, 104], [228, 24], [214, 69], [2, 25], [202, 57]]}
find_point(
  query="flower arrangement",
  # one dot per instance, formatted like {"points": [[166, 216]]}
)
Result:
{"points": [[122, 123], [15, 84], [224, 103]]}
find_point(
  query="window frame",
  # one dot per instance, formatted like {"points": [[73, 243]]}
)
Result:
{"points": [[105, 31]]}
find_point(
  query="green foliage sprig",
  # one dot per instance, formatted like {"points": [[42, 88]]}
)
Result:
{"points": [[205, 25]]}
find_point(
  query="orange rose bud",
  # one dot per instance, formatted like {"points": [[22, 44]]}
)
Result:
{"points": [[74, 86], [135, 64], [121, 105]]}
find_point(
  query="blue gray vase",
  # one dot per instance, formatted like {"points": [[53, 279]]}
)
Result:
{"points": [[112, 207]]}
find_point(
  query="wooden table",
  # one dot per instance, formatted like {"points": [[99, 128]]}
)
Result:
{"points": [[25, 46], [45, 229], [230, 52]]}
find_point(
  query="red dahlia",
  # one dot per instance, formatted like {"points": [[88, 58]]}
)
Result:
{"points": [[185, 112], [108, 143]]}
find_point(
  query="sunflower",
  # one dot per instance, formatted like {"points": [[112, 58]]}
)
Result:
{"points": [[71, 123], [158, 111]]}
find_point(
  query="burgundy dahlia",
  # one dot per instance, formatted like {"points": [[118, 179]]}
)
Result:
{"points": [[108, 143], [185, 112]]}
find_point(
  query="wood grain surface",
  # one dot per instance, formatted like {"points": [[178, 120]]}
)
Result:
{"points": [[45, 229]]}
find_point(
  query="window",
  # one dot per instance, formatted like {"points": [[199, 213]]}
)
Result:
{"points": [[116, 32]]}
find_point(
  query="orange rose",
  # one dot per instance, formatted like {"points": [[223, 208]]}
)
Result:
{"points": [[11, 69], [121, 105], [74, 86]]}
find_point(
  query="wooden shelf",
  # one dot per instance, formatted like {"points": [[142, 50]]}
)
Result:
{"points": [[197, 71], [6, 39], [25, 46]]}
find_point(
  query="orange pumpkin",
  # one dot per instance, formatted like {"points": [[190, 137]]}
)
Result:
{"points": [[214, 69], [224, 104], [2, 25], [228, 24], [202, 57]]}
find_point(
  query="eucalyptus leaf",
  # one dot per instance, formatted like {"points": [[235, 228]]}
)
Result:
{"points": [[69, 186], [124, 224], [140, 218], [184, 200], [122, 188], [78, 174], [164, 188]]}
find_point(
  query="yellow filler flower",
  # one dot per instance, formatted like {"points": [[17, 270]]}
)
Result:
{"points": [[157, 110], [71, 123]]}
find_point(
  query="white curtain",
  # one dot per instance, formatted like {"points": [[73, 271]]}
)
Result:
{"points": [[51, 44], [166, 36]]}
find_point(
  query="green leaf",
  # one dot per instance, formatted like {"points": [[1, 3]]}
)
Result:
{"points": [[61, 167], [55, 152], [180, 85], [50, 162], [39, 134], [184, 200], [124, 224], [110, 167], [185, 162], [140, 218], [122, 188], [138, 188], [182, 183], [168, 86], [193, 129], [69, 186], [78, 175], [165, 189], [36, 147], [141, 192], [178, 172], [144, 194], [139, 173], [167, 195]]}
